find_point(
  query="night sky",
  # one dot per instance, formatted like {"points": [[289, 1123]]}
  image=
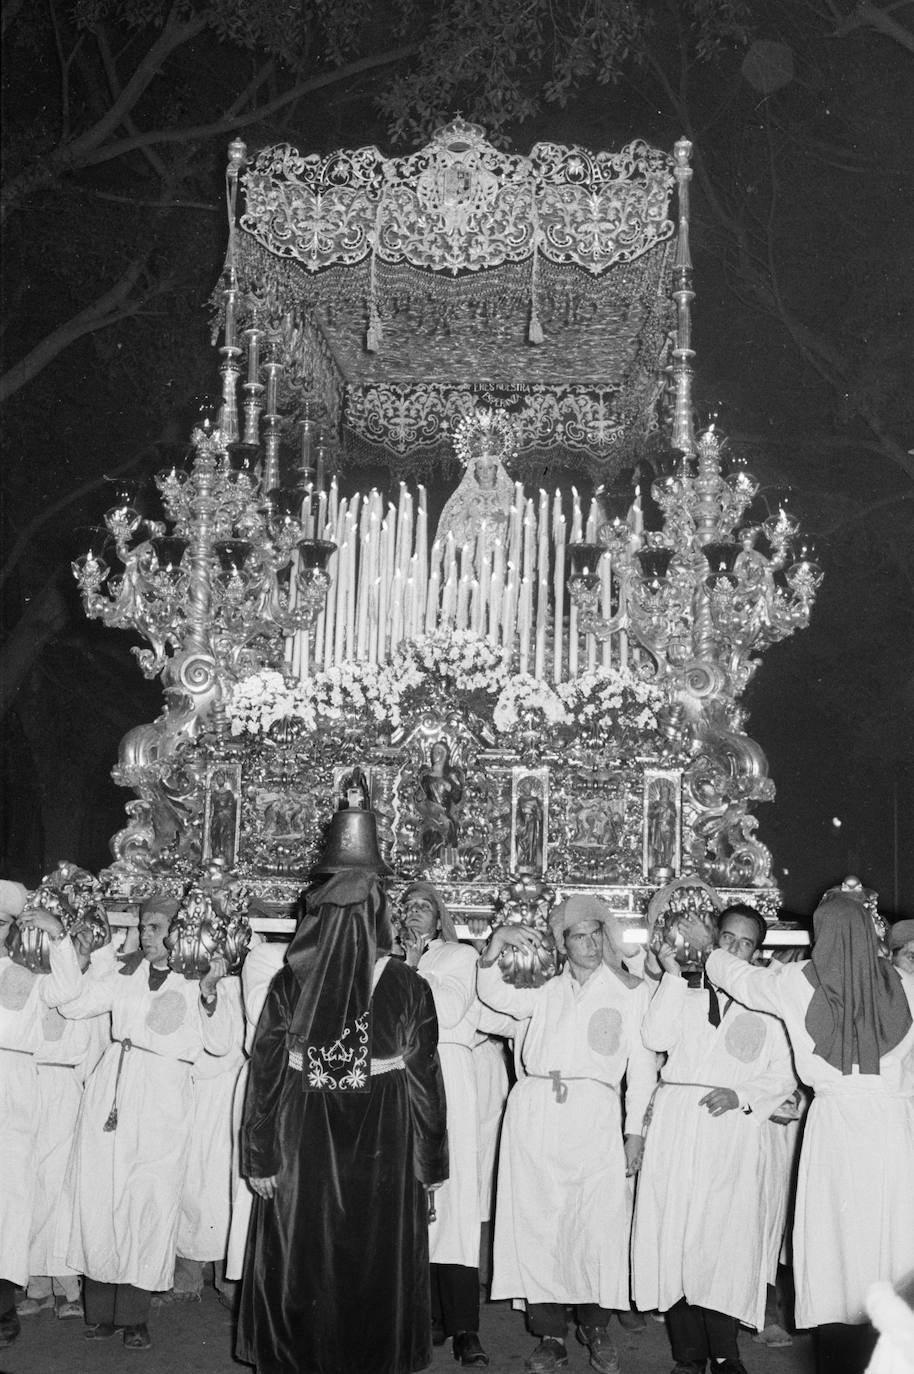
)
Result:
{"points": [[816, 394]]}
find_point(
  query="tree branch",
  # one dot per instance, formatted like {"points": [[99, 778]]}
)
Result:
{"points": [[116, 304], [227, 125], [877, 17]]}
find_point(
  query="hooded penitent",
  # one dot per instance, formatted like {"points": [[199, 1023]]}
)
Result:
{"points": [[859, 1010], [332, 956]]}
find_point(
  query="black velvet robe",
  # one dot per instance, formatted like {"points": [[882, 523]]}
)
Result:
{"points": [[336, 1276]]}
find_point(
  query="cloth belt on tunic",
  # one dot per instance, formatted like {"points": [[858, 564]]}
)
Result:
{"points": [[561, 1080], [387, 1065], [8, 1049], [672, 1083], [127, 1045]]}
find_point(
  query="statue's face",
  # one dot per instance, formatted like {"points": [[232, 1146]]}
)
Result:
{"points": [[439, 753], [486, 472]]}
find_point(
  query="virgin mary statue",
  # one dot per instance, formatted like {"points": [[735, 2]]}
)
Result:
{"points": [[483, 442]]}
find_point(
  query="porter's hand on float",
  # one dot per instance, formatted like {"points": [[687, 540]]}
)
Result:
{"points": [[217, 970], [666, 958], [719, 1100], [696, 933], [634, 1153], [414, 946], [264, 1187], [39, 919], [521, 937]]}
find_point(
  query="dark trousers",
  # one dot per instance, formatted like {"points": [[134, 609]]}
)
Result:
{"points": [[115, 1304], [7, 1298], [548, 1318], [455, 1297], [699, 1333], [843, 1349]]}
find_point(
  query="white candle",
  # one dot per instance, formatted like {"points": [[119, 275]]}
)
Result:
{"points": [[431, 602], [339, 636], [449, 598], [558, 591], [365, 584], [463, 604], [485, 579], [396, 611], [374, 621], [384, 589], [523, 624], [606, 604], [575, 516], [507, 609], [592, 521], [476, 607], [496, 590]]}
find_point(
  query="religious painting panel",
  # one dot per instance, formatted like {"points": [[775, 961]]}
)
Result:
{"points": [[662, 830], [597, 816], [529, 820], [222, 813]]}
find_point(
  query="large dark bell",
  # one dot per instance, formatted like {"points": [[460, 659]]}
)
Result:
{"points": [[352, 842]]}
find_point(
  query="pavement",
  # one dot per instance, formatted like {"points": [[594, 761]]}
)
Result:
{"points": [[196, 1338]]}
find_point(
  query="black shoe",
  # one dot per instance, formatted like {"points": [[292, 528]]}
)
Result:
{"points": [[729, 1366], [630, 1320], [603, 1355], [9, 1328], [697, 1368], [549, 1354], [100, 1331], [137, 1337], [468, 1351]]}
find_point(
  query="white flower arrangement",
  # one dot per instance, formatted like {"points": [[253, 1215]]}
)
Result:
{"points": [[612, 702], [602, 703], [260, 700], [526, 695], [467, 660]]}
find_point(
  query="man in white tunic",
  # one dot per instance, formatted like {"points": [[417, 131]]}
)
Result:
{"points": [[564, 1200], [67, 1055], [850, 1019], [126, 1172], [703, 1224], [24, 995], [432, 948]]}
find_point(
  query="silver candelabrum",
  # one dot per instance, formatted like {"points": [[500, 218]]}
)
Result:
{"points": [[235, 574], [699, 596]]}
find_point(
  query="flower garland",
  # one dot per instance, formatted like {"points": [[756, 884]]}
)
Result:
{"points": [[603, 706]]}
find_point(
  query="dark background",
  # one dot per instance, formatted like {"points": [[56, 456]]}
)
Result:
{"points": [[115, 123]]}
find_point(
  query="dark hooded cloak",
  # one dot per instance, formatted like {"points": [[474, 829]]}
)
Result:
{"points": [[336, 1270]]}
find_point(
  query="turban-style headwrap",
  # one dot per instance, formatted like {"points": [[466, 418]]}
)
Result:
{"points": [[159, 905], [332, 956], [900, 933], [13, 897], [431, 894], [859, 1010], [583, 907]]}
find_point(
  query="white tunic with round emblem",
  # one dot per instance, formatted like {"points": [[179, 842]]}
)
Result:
{"points": [[563, 1203], [704, 1223], [122, 1190], [24, 996]]}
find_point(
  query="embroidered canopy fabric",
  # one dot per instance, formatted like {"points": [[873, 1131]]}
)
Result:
{"points": [[408, 289]]}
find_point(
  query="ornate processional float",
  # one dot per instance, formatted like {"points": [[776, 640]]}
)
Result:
{"points": [[542, 693]]}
